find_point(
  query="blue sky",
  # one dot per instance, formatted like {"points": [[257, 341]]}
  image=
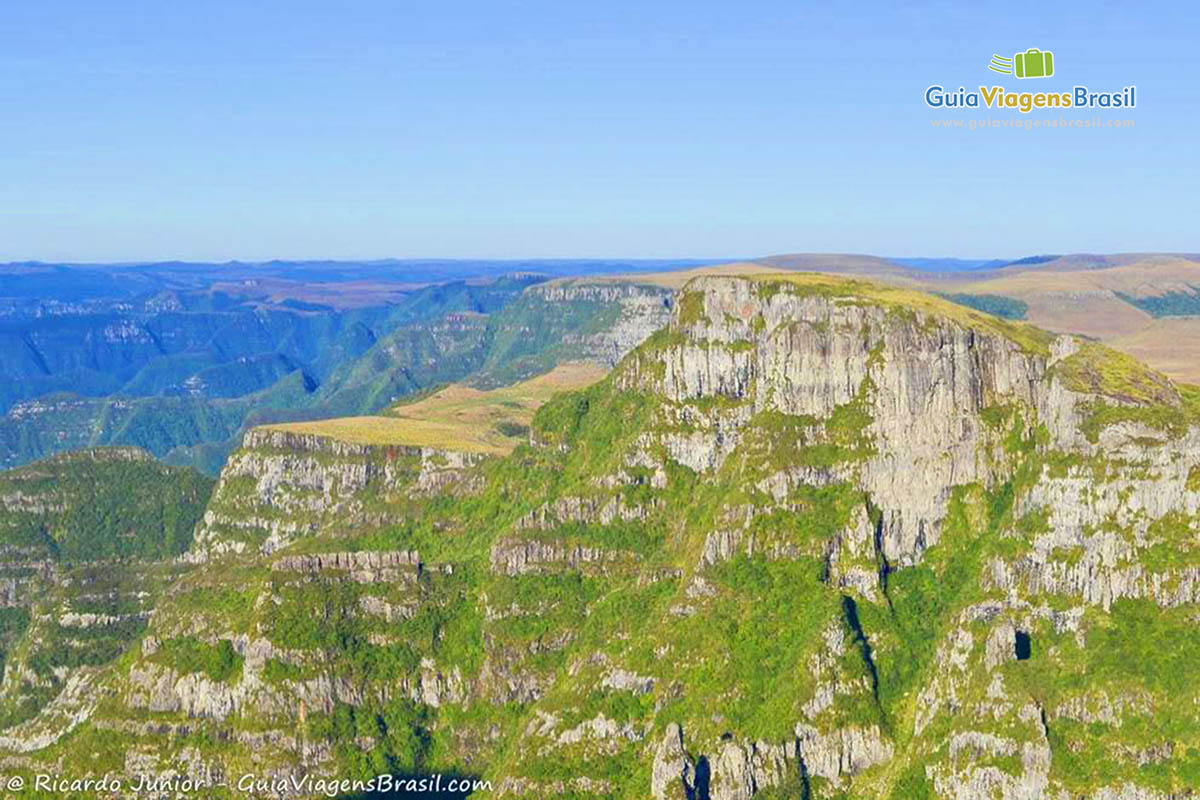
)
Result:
{"points": [[254, 130]]}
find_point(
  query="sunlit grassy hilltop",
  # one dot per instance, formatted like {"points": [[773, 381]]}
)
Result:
{"points": [[457, 417]]}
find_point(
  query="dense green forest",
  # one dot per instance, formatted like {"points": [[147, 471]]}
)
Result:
{"points": [[999, 305]]}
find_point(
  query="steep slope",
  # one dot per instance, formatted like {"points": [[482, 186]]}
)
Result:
{"points": [[1120, 300], [814, 538], [87, 542], [457, 417], [232, 368], [1143, 304], [178, 371]]}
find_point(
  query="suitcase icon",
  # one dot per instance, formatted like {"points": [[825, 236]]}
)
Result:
{"points": [[1034, 63]]}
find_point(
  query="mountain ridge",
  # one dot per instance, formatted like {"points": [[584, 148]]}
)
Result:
{"points": [[338, 342], [815, 537]]}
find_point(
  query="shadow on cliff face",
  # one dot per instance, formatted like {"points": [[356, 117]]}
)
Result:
{"points": [[850, 615], [1023, 646], [703, 776]]}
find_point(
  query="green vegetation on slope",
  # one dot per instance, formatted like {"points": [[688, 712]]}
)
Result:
{"points": [[102, 504], [186, 654], [457, 417], [906, 301], [1128, 391], [998, 305], [583, 590], [352, 364], [1169, 304]]}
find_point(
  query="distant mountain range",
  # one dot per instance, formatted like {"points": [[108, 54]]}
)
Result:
{"points": [[812, 536], [951, 264], [73, 282], [179, 358], [1145, 304]]}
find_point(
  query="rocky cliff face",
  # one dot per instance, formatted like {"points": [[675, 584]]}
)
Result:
{"points": [[633, 313], [923, 382], [282, 486], [812, 538], [87, 542]]}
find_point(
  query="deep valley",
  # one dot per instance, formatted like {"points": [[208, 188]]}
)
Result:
{"points": [[729, 534]]}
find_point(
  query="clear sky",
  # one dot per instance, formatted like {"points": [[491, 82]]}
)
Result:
{"points": [[254, 130]]}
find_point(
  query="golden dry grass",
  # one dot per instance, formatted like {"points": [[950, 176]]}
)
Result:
{"points": [[674, 279], [1029, 336], [1068, 295], [459, 403], [457, 417], [1097, 314], [1147, 276], [859, 266], [841, 264], [1171, 345], [1086, 301]]}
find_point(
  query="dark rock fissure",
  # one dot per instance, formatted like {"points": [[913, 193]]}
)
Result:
{"points": [[885, 568], [1023, 646], [805, 782], [850, 613], [39, 360], [703, 777]]}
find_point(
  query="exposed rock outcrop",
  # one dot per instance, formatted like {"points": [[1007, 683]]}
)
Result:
{"points": [[811, 539]]}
